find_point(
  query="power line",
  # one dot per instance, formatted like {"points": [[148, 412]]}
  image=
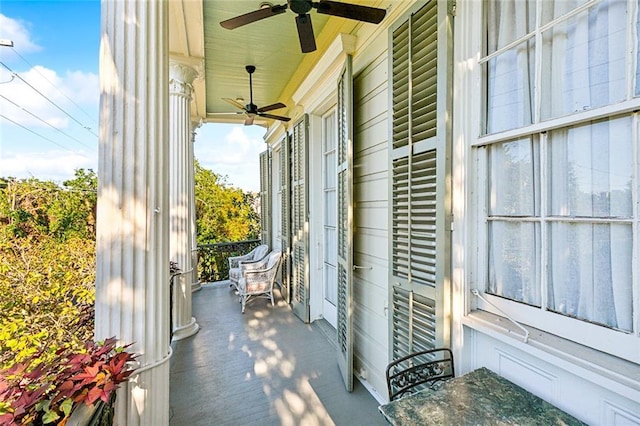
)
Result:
{"points": [[53, 103], [53, 85], [43, 137], [43, 121]]}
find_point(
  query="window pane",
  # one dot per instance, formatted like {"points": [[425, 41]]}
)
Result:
{"points": [[583, 61], [508, 21], [510, 79], [555, 9], [514, 258], [591, 170], [513, 180], [590, 272]]}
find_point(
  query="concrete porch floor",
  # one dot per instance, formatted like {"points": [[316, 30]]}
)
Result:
{"points": [[265, 367]]}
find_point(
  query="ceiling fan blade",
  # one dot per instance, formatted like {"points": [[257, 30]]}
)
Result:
{"points": [[272, 107], [234, 103], [305, 33], [254, 16], [249, 120], [274, 117], [351, 11]]}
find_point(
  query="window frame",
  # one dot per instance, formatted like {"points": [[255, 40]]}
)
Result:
{"points": [[608, 340]]}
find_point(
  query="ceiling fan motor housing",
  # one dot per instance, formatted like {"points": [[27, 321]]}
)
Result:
{"points": [[300, 6]]}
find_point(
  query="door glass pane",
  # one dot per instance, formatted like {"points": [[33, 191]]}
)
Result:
{"points": [[330, 246], [330, 284], [330, 208]]}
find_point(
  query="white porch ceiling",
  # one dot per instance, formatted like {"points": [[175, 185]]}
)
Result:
{"points": [[271, 45]]}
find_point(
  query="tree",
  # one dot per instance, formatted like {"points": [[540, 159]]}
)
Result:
{"points": [[223, 213], [47, 256], [47, 266], [35, 208]]}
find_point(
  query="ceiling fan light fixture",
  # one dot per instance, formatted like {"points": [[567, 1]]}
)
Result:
{"points": [[265, 5], [252, 110]]}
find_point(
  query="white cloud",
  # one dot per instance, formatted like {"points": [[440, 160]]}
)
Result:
{"points": [[52, 165], [233, 151], [18, 32], [45, 94], [76, 93]]}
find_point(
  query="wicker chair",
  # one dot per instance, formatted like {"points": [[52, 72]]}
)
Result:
{"points": [[235, 261], [258, 282], [418, 371]]}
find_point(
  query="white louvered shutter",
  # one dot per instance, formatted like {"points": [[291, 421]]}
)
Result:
{"points": [[345, 224], [299, 217], [420, 201], [285, 217], [265, 198]]}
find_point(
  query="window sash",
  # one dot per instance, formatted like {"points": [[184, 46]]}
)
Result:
{"points": [[540, 308], [529, 104]]}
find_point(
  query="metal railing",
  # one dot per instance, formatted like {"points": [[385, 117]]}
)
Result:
{"points": [[212, 258]]}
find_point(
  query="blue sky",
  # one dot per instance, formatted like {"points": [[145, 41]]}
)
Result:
{"points": [[49, 96]]}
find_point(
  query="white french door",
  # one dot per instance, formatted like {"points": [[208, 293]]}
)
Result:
{"points": [[330, 218]]}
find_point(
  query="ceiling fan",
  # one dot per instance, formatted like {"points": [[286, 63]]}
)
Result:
{"points": [[303, 20], [251, 109]]}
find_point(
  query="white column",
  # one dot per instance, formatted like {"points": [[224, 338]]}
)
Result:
{"points": [[132, 265], [181, 182], [195, 281]]}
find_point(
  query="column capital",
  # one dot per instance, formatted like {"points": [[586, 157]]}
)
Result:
{"points": [[181, 77], [195, 125], [184, 72]]}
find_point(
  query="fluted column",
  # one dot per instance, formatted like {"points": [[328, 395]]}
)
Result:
{"points": [[132, 275], [180, 195], [195, 281]]}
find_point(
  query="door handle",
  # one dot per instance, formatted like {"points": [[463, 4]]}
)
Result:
{"points": [[362, 267]]}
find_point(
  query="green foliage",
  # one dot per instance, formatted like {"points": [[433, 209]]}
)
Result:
{"points": [[47, 287], [223, 213], [35, 209], [47, 266], [47, 273]]}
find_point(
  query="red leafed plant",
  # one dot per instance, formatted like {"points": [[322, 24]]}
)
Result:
{"points": [[48, 393]]}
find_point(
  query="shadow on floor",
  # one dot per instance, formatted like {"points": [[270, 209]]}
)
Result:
{"points": [[265, 367]]}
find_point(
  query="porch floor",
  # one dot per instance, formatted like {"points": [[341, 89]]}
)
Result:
{"points": [[265, 367]]}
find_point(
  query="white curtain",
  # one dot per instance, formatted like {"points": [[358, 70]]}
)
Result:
{"points": [[510, 74], [590, 176], [514, 247], [589, 168], [583, 58]]}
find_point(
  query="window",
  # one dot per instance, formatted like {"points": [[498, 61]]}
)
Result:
{"points": [[559, 227]]}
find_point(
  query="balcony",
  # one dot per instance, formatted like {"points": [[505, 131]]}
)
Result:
{"points": [[263, 367]]}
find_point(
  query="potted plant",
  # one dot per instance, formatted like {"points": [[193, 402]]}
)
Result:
{"points": [[33, 392]]}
